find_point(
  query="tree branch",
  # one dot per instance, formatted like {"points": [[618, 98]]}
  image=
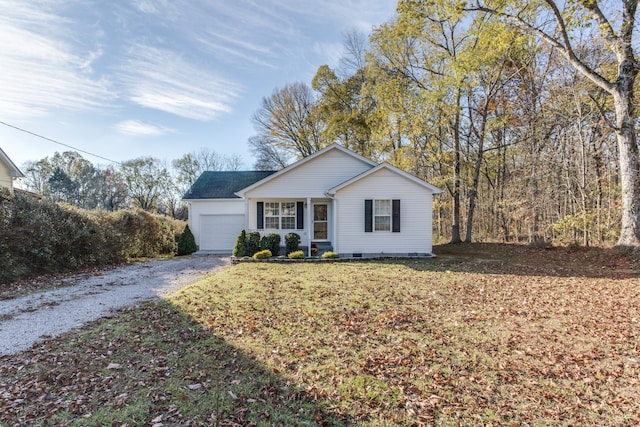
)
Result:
{"points": [[566, 48]]}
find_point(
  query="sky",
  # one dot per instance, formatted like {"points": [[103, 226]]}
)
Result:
{"points": [[124, 79]]}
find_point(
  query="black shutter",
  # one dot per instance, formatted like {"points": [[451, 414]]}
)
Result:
{"points": [[395, 216], [368, 216], [300, 215], [260, 216]]}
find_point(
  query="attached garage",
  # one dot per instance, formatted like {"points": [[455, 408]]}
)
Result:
{"points": [[218, 232], [216, 213]]}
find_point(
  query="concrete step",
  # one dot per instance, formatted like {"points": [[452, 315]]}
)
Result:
{"points": [[321, 247]]}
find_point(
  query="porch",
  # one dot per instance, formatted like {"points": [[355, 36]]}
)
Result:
{"points": [[310, 248], [312, 219]]}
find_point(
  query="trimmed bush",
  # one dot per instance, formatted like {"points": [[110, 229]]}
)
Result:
{"points": [[145, 234], [296, 255], [40, 237], [272, 242], [252, 243], [262, 254], [240, 248], [292, 242], [186, 242], [329, 254]]}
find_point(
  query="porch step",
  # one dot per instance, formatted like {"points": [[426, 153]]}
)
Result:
{"points": [[322, 247]]}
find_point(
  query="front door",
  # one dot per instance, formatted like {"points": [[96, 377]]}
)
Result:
{"points": [[320, 224]]}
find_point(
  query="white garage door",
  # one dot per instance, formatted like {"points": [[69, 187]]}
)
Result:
{"points": [[219, 232]]}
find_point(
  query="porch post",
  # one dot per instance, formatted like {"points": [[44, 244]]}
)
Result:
{"points": [[334, 225], [309, 225]]}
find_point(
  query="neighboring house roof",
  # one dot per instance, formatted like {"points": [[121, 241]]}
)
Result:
{"points": [[13, 169], [223, 184], [303, 161], [433, 189]]}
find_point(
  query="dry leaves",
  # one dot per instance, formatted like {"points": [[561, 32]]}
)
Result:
{"points": [[483, 335]]}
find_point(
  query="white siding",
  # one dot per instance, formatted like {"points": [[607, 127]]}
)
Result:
{"points": [[415, 216], [5, 176], [313, 178], [200, 208]]}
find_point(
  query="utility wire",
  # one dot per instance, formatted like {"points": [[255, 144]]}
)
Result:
{"points": [[58, 142]]}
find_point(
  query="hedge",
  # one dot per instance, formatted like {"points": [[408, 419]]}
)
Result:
{"points": [[39, 237]]}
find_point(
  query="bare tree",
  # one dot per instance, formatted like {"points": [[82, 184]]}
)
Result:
{"points": [[557, 33], [287, 124]]}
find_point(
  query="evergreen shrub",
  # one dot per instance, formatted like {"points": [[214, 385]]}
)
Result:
{"points": [[240, 248], [186, 242], [252, 243], [292, 242], [272, 242]]}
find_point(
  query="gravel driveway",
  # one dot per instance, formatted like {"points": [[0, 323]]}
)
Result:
{"points": [[43, 315]]}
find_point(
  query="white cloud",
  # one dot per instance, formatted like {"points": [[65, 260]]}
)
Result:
{"points": [[40, 71], [138, 128], [166, 55], [227, 46], [162, 80], [344, 14], [151, 7], [332, 52]]}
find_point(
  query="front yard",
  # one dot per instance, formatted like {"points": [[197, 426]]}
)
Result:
{"points": [[481, 335]]}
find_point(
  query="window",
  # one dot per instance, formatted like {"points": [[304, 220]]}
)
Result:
{"points": [[272, 215], [280, 215], [288, 218], [382, 215]]}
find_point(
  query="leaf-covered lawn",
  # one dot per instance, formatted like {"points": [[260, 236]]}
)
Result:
{"points": [[482, 335]]}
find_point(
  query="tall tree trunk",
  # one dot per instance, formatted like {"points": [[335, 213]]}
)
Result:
{"points": [[597, 159], [476, 174], [629, 165], [455, 223], [474, 191]]}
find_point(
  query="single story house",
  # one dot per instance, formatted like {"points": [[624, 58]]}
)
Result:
{"points": [[8, 171], [334, 199]]}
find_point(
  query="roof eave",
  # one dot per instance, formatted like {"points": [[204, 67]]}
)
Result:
{"points": [[14, 172]]}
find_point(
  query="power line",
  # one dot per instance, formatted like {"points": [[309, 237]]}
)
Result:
{"points": [[58, 142]]}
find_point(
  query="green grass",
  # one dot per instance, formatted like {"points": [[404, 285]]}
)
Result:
{"points": [[482, 335]]}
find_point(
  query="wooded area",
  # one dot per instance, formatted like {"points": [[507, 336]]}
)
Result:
{"points": [[145, 183], [524, 113]]}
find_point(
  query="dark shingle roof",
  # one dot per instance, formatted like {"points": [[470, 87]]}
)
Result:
{"points": [[223, 185]]}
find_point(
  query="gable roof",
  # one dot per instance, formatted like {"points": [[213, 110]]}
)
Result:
{"points": [[433, 189], [303, 161], [13, 169], [223, 184]]}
